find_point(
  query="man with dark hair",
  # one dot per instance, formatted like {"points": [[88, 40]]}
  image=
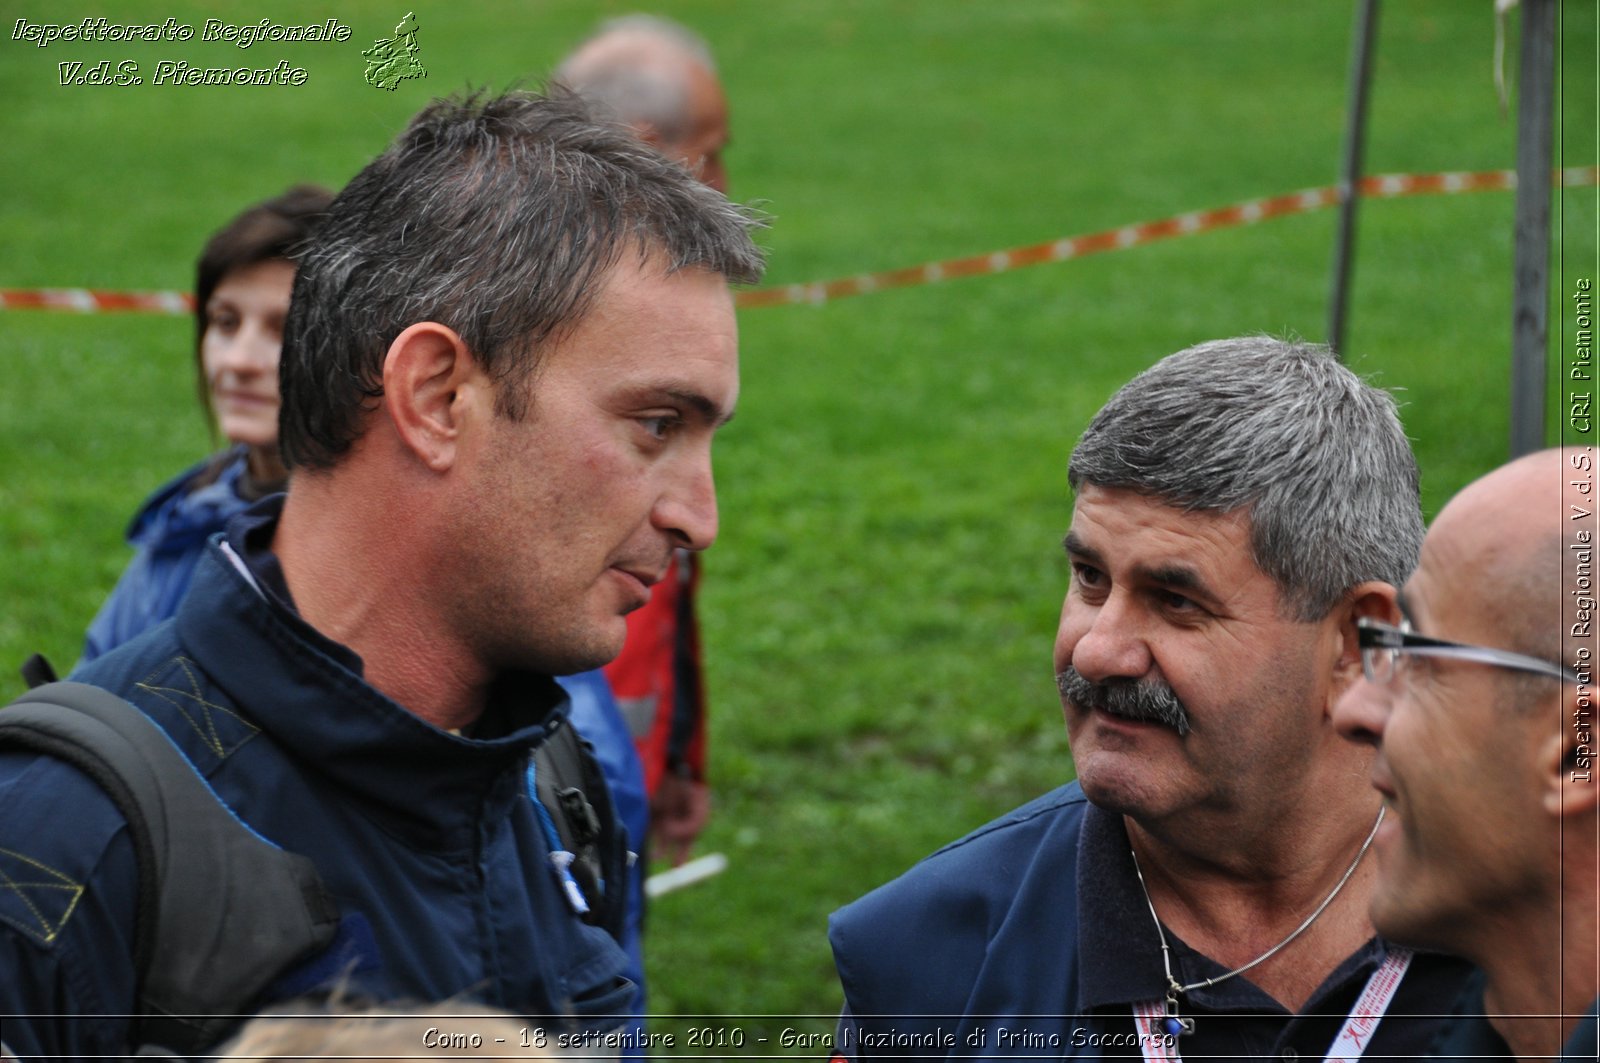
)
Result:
{"points": [[1201, 889], [1479, 699], [509, 349]]}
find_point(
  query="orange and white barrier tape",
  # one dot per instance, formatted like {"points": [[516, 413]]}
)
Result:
{"points": [[91, 301], [1386, 186], [1378, 186]]}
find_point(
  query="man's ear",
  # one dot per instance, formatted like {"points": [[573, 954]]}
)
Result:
{"points": [[1375, 599], [1567, 768], [423, 372]]}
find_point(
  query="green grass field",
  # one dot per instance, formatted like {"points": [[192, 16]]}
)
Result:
{"points": [[880, 608]]}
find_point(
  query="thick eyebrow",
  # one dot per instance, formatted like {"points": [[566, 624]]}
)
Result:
{"points": [[1178, 577], [709, 411], [1073, 544]]}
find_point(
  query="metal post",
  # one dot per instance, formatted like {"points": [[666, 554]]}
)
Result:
{"points": [[1355, 136], [1531, 265]]}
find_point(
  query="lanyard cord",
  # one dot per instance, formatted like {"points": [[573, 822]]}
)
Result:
{"points": [[1160, 1045]]}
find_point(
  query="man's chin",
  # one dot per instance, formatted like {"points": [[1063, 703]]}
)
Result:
{"points": [[1116, 782], [574, 657], [600, 656], [1396, 916]]}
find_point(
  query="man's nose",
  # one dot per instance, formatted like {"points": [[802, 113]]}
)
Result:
{"points": [[1106, 640], [687, 507]]}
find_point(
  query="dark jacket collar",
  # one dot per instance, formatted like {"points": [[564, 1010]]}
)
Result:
{"points": [[306, 691]]}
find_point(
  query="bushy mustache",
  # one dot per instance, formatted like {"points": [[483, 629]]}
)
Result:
{"points": [[1131, 699]]}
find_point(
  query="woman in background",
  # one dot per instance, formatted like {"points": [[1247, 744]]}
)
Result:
{"points": [[242, 290]]}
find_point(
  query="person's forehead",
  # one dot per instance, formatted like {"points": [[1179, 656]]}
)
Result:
{"points": [[1417, 595], [642, 291], [1141, 528], [1487, 523], [646, 321], [269, 275]]}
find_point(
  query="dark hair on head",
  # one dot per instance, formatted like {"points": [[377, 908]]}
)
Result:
{"points": [[496, 217], [1282, 431], [275, 228]]}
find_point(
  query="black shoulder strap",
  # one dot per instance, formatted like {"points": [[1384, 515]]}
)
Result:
{"points": [[221, 911], [37, 671], [572, 789]]}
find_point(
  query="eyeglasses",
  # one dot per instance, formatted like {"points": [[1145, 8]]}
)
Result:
{"points": [[1382, 645]]}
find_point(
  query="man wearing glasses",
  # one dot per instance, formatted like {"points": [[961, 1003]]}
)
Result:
{"points": [[1480, 701], [1201, 891]]}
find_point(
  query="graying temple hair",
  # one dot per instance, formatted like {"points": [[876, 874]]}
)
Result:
{"points": [[637, 93], [495, 217], [1281, 429]]}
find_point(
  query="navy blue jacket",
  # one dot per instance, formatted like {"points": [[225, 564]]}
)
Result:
{"points": [[427, 839], [169, 535], [1031, 937]]}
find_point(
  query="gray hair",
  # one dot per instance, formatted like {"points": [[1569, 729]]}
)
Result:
{"points": [[1314, 453], [495, 217], [643, 79]]}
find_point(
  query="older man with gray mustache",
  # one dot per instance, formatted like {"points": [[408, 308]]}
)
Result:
{"points": [[1202, 888]]}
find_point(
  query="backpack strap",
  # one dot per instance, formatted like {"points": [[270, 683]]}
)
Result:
{"points": [[221, 910], [37, 671], [570, 786]]}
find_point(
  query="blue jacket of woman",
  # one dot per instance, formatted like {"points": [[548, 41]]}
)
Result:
{"points": [[168, 534]]}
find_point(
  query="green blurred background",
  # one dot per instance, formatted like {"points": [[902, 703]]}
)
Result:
{"points": [[880, 608]]}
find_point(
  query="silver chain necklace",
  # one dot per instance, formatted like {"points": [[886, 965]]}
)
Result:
{"points": [[1173, 1024]]}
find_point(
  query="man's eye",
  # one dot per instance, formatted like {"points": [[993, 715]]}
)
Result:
{"points": [[1175, 602], [660, 427], [1087, 575]]}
